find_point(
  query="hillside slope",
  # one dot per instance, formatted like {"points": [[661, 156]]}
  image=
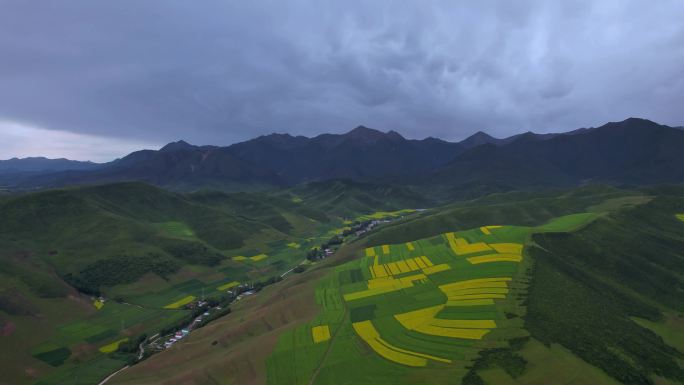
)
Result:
{"points": [[579, 288], [144, 250]]}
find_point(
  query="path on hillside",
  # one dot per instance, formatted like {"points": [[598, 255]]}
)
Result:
{"points": [[289, 271], [112, 375], [327, 350]]}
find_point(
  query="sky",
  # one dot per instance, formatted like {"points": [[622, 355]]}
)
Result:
{"points": [[94, 80]]}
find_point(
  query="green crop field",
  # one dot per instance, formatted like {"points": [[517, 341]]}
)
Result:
{"points": [[383, 314], [376, 292]]}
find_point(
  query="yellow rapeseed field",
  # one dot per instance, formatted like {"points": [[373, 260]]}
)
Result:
{"points": [[427, 261], [507, 248], [239, 258], [393, 268], [410, 246], [110, 348], [180, 303], [259, 257], [485, 230], [476, 289], [425, 321], [370, 335], [471, 302], [471, 334], [403, 266], [378, 271], [370, 252], [384, 285], [320, 333], [460, 246], [98, 304], [476, 296], [436, 268], [228, 285], [385, 249], [495, 258]]}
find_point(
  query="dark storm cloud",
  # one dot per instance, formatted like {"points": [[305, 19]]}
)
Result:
{"points": [[222, 71]]}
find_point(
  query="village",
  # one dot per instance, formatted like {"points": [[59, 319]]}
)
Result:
{"points": [[206, 310]]}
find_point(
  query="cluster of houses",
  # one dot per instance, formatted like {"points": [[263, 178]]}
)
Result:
{"points": [[179, 335], [176, 337]]}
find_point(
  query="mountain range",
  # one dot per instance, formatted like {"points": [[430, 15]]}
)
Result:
{"points": [[633, 151]]}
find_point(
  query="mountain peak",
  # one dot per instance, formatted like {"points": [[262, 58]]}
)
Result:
{"points": [[364, 131], [366, 134], [180, 145], [633, 123], [477, 139]]}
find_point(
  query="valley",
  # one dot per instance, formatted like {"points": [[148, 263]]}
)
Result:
{"points": [[341, 193], [166, 257], [461, 303], [333, 280]]}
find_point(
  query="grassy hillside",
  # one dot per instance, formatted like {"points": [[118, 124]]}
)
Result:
{"points": [[145, 250], [596, 280], [384, 318], [576, 286]]}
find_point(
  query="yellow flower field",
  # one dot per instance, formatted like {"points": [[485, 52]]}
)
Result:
{"points": [[495, 258], [320, 333], [110, 348], [259, 257], [180, 303], [228, 285], [370, 335]]}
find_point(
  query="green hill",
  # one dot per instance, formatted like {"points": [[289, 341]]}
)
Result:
{"points": [[594, 297], [145, 250]]}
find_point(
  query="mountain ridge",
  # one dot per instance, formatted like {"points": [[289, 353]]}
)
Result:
{"points": [[632, 151]]}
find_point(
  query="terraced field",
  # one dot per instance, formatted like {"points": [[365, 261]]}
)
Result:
{"points": [[416, 310], [82, 348]]}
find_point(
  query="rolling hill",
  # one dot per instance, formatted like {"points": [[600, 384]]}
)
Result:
{"points": [[144, 249], [581, 287]]}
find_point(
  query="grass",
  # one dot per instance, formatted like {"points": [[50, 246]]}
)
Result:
{"points": [[670, 329], [85, 225], [568, 223], [54, 357], [548, 365], [345, 357], [595, 281], [175, 229], [94, 234]]}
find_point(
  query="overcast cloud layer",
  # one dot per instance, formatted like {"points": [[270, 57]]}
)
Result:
{"points": [[132, 72]]}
